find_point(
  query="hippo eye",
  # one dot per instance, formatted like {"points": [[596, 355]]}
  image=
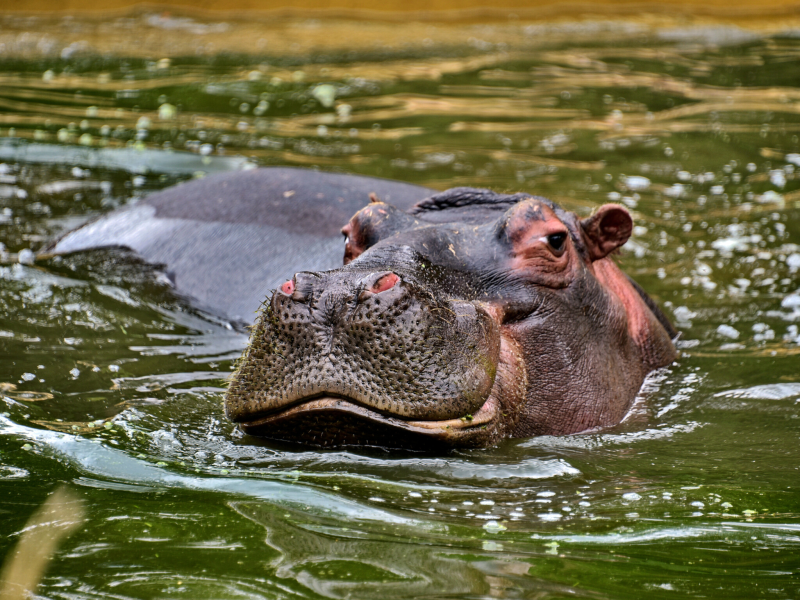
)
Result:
{"points": [[556, 241]]}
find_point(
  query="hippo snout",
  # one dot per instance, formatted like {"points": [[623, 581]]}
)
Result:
{"points": [[305, 288], [375, 339]]}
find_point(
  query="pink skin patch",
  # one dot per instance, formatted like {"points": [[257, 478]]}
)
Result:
{"points": [[288, 288], [386, 282], [639, 321]]}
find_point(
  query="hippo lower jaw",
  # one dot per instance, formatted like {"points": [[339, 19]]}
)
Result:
{"points": [[333, 421], [327, 421]]}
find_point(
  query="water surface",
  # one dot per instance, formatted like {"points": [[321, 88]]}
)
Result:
{"points": [[112, 385]]}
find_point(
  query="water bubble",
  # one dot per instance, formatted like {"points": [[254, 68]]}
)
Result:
{"points": [[325, 94], [703, 269], [26, 257], [550, 516], [727, 331], [631, 496], [343, 111], [28, 377], [763, 332], [777, 177], [637, 183], [792, 301], [793, 262], [167, 112], [676, 190], [494, 527]]}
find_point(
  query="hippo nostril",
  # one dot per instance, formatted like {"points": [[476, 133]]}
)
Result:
{"points": [[386, 282], [288, 287]]}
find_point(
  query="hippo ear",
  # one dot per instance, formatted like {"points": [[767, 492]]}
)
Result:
{"points": [[371, 224], [606, 230]]}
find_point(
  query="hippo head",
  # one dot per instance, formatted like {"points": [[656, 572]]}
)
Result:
{"points": [[474, 317]]}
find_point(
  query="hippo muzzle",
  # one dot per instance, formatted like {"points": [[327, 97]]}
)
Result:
{"points": [[367, 357]]}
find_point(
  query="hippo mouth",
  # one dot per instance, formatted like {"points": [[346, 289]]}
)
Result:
{"points": [[337, 421], [326, 420]]}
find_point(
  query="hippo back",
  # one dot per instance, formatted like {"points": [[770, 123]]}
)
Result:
{"points": [[227, 240]]}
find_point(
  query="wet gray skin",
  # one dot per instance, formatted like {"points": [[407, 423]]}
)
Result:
{"points": [[475, 317], [216, 238]]}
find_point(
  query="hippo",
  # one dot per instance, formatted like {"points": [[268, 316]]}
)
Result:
{"points": [[448, 320]]}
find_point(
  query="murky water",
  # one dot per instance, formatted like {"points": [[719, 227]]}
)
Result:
{"points": [[113, 386]]}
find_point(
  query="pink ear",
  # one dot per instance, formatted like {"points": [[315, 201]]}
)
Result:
{"points": [[606, 230]]}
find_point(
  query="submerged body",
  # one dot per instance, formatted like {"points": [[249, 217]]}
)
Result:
{"points": [[458, 318], [226, 241]]}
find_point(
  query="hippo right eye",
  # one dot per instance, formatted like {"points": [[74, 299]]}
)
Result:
{"points": [[556, 241]]}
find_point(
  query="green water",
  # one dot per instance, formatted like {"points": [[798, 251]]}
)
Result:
{"points": [[113, 387]]}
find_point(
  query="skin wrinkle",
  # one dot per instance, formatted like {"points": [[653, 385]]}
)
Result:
{"points": [[463, 324]]}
